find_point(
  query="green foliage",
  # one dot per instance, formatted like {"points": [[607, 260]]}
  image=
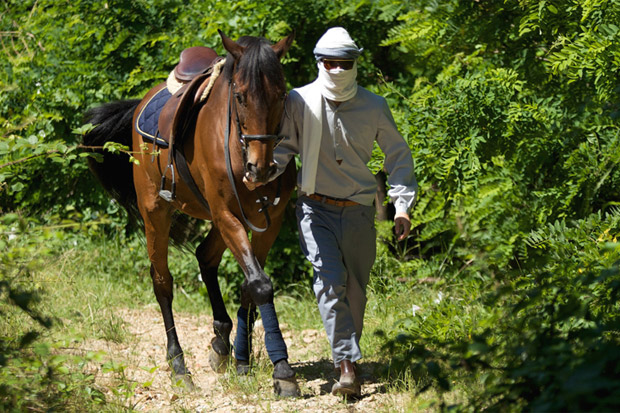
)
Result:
{"points": [[560, 325], [513, 122], [34, 375], [510, 108], [501, 146], [546, 340]]}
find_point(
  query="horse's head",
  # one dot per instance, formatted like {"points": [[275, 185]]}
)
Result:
{"points": [[259, 91]]}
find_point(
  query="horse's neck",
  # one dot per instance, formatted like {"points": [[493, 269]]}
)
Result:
{"points": [[219, 100], [221, 121]]}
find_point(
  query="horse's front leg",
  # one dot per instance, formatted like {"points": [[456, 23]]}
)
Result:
{"points": [[209, 254], [157, 226], [284, 380], [258, 289], [258, 285]]}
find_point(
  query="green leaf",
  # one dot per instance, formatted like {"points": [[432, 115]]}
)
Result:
{"points": [[18, 186], [84, 129]]}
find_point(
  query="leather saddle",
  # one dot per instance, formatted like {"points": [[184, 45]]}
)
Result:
{"points": [[171, 113], [168, 113], [193, 70], [194, 61]]}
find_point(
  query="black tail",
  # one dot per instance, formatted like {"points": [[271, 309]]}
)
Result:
{"points": [[113, 123]]}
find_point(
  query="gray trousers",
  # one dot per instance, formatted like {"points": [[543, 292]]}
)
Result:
{"points": [[340, 243]]}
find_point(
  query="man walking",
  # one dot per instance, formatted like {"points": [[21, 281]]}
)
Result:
{"points": [[333, 124]]}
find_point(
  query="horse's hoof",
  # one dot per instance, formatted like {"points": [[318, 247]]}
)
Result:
{"points": [[243, 368], [183, 382], [218, 362], [286, 387]]}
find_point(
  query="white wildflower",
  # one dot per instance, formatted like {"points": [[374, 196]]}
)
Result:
{"points": [[12, 233], [415, 308]]}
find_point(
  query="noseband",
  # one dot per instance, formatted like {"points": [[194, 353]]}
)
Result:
{"points": [[245, 140]]}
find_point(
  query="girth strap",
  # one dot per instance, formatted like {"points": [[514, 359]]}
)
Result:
{"points": [[187, 177]]}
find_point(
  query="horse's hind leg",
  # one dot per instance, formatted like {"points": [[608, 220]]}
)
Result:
{"points": [[209, 254], [157, 228]]}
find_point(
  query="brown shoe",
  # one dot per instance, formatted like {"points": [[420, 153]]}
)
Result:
{"points": [[348, 385]]}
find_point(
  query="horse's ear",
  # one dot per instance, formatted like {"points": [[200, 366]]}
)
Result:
{"points": [[283, 45], [231, 46]]}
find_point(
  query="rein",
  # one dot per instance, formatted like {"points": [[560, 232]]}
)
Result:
{"points": [[264, 201]]}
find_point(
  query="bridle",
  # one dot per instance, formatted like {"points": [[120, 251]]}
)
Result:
{"points": [[244, 140]]}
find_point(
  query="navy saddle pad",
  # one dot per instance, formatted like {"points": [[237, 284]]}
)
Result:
{"points": [[148, 118]]}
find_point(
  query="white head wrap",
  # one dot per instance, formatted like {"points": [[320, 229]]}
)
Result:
{"points": [[336, 43]]}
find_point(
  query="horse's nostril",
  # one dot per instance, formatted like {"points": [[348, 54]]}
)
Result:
{"points": [[250, 167]]}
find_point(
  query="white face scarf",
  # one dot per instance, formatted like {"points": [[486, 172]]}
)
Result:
{"points": [[337, 84]]}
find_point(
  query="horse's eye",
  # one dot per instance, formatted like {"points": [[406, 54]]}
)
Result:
{"points": [[239, 98]]}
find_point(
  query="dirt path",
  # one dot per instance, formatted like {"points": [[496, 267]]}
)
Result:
{"points": [[141, 380]]}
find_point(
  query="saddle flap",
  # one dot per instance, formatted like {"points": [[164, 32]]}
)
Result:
{"points": [[177, 112]]}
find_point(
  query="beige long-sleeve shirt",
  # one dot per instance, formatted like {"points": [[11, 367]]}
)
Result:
{"points": [[349, 132]]}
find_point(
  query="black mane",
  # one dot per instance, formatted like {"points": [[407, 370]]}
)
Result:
{"points": [[257, 63]]}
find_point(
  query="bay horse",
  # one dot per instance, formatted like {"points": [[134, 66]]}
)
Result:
{"points": [[223, 140]]}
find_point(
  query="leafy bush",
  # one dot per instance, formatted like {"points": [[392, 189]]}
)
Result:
{"points": [[546, 340], [515, 150], [34, 375]]}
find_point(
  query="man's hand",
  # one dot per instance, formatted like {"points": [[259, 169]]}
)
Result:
{"points": [[402, 225]]}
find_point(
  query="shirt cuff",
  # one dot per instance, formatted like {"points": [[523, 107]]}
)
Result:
{"points": [[401, 206]]}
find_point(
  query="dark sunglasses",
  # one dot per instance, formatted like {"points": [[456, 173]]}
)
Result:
{"points": [[330, 64]]}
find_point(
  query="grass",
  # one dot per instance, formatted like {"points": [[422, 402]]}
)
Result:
{"points": [[83, 282]]}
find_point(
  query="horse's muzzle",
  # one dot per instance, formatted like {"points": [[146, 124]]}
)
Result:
{"points": [[259, 175], [254, 172]]}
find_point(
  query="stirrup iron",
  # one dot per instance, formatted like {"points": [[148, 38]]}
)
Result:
{"points": [[170, 195]]}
